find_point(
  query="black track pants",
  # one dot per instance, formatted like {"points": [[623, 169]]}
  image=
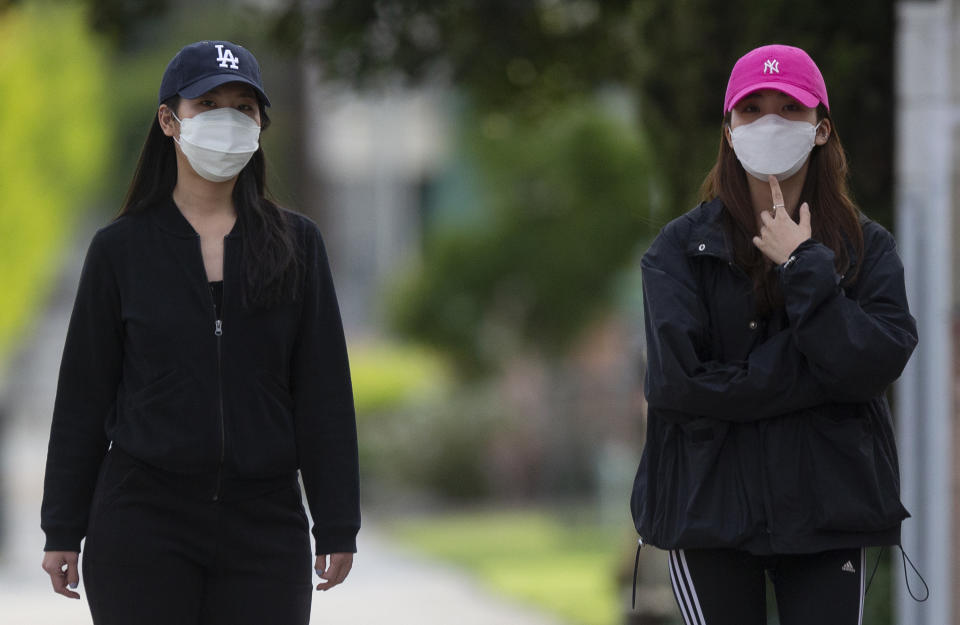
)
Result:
{"points": [[728, 587], [160, 551]]}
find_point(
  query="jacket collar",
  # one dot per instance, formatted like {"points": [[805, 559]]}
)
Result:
{"points": [[168, 216], [707, 236]]}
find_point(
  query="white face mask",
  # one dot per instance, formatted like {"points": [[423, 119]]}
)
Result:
{"points": [[773, 145], [218, 143]]}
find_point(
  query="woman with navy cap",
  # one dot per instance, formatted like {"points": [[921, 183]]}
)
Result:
{"points": [[204, 369], [776, 318]]}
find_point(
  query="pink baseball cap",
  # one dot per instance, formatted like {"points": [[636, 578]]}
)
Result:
{"points": [[784, 68]]}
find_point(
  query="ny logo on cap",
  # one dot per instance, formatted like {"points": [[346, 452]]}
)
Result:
{"points": [[226, 56], [771, 66]]}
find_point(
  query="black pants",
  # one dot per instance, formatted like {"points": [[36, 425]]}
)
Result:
{"points": [[728, 587], [161, 551]]}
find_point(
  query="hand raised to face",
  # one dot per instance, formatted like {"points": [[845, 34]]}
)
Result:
{"points": [[779, 234]]}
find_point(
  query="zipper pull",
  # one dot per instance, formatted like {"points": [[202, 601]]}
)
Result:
{"points": [[219, 329]]}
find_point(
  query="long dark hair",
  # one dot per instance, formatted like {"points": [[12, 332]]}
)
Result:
{"points": [[835, 218], [271, 265]]}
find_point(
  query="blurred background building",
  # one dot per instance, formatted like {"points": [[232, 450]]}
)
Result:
{"points": [[486, 176]]}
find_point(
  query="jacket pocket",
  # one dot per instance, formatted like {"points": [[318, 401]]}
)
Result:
{"points": [[699, 495], [170, 423], [854, 476], [154, 389]]}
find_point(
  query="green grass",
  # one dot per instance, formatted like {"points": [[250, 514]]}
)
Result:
{"points": [[533, 556]]}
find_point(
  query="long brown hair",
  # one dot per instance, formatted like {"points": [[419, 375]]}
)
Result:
{"points": [[835, 219], [271, 265]]}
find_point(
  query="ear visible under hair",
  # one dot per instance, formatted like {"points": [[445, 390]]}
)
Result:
{"points": [[824, 131], [165, 115], [166, 120]]}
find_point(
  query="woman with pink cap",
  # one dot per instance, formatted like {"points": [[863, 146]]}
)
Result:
{"points": [[776, 317]]}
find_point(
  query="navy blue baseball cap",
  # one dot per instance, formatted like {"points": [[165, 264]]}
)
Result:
{"points": [[201, 66]]}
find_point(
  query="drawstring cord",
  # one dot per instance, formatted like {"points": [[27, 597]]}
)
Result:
{"points": [[906, 579], [636, 566]]}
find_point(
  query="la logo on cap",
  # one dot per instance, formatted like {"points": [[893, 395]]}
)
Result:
{"points": [[770, 66], [226, 56]]}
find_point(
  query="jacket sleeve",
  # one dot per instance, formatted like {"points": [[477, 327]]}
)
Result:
{"points": [[856, 346], [86, 392], [323, 409], [682, 379]]}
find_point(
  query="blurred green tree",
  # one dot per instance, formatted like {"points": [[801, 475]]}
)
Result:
{"points": [[566, 200], [53, 150]]}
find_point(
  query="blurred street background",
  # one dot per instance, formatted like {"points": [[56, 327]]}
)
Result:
{"points": [[486, 176]]}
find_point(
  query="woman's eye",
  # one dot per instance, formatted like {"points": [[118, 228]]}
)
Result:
{"points": [[207, 103], [245, 107], [750, 108]]}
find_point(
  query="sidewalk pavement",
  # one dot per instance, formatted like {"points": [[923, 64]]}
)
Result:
{"points": [[387, 584]]}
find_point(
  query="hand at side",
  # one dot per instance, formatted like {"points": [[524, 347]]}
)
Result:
{"points": [[335, 572], [62, 567]]}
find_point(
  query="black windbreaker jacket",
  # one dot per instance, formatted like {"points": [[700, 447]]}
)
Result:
{"points": [[775, 435], [147, 367]]}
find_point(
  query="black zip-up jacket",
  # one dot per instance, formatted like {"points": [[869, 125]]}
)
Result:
{"points": [[148, 367], [775, 435]]}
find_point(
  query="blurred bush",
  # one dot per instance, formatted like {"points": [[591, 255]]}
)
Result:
{"points": [[416, 432], [437, 448], [55, 121], [565, 201], [387, 375]]}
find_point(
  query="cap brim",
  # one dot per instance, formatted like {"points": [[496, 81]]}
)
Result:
{"points": [[204, 85], [802, 95]]}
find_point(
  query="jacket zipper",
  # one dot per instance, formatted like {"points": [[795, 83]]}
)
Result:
{"points": [[218, 333]]}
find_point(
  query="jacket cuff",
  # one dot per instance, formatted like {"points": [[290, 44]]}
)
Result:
{"points": [[63, 540], [807, 278], [335, 540], [804, 245]]}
